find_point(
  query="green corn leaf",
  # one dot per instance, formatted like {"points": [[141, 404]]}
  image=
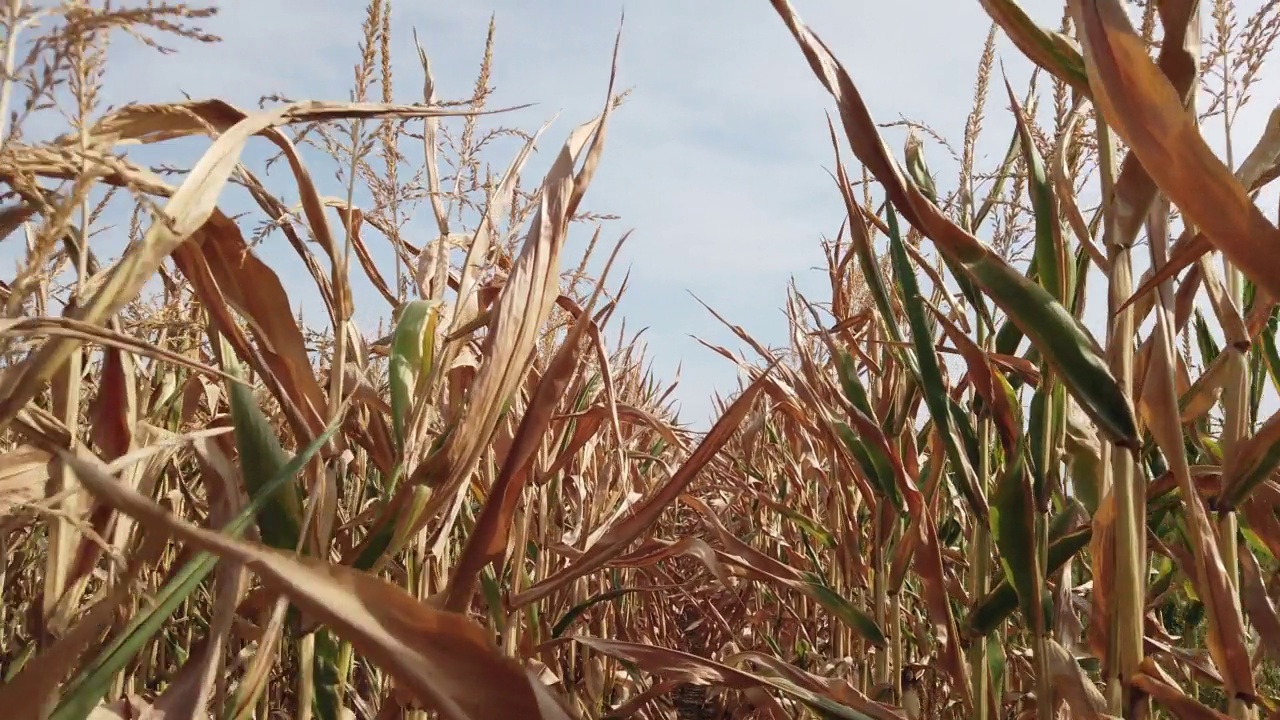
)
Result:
{"points": [[1046, 426], [85, 691], [1257, 381], [964, 428], [1059, 337], [493, 596], [1269, 351], [874, 464], [861, 240], [328, 678], [930, 373], [970, 290], [1002, 600], [1079, 280], [853, 389], [859, 621], [1204, 338], [917, 169], [1013, 530], [576, 611], [1050, 254], [996, 663], [1051, 50], [412, 351], [262, 458], [811, 528], [1009, 337], [1062, 341], [1253, 463], [997, 187]]}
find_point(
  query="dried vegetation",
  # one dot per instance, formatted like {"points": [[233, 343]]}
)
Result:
{"points": [[944, 499]]}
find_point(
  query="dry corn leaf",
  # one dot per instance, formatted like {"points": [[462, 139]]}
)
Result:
{"points": [[1226, 637], [225, 274], [1155, 683], [488, 540], [663, 661], [188, 210], [1146, 112], [1257, 602], [24, 470], [620, 535], [443, 660], [1059, 336]]}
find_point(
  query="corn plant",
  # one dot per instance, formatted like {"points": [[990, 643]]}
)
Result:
{"points": [[944, 498]]}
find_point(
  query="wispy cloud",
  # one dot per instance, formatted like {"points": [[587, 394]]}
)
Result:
{"points": [[718, 161]]}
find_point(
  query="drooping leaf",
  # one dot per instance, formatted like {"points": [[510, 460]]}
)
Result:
{"points": [[930, 372], [261, 459], [1013, 530], [661, 661], [1000, 602], [1060, 337], [443, 660], [91, 684]]}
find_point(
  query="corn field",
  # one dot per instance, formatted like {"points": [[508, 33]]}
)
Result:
{"points": [[944, 498]]}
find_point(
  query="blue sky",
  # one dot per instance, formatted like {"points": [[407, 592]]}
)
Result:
{"points": [[718, 161]]}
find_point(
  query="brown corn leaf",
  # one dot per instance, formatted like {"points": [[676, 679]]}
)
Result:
{"points": [[107, 337], [487, 542], [1190, 248], [1226, 638], [1070, 680], [664, 661], [131, 707], [444, 660], [1061, 338], [983, 377], [1153, 682], [523, 305], [188, 210], [24, 471], [25, 694], [657, 550], [1102, 553], [1263, 522], [838, 689], [760, 566], [1146, 112], [1134, 188], [631, 708], [1257, 602], [352, 221], [623, 533], [1253, 461], [922, 532], [114, 409], [145, 124], [226, 274], [1205, 391]]}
